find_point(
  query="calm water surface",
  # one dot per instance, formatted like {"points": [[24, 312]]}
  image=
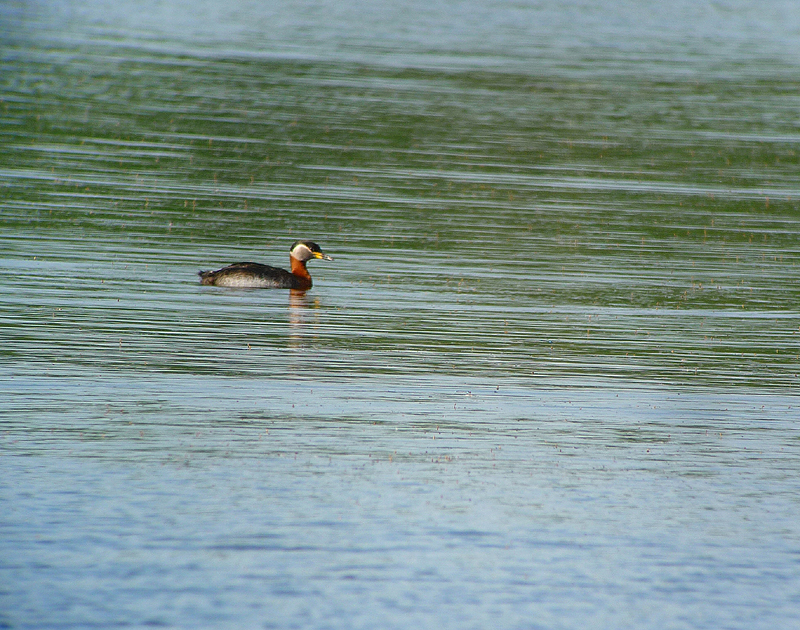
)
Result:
{"points": [[550, 380]]}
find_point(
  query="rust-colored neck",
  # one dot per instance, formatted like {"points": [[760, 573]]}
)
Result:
{"points": [[301, 273]]}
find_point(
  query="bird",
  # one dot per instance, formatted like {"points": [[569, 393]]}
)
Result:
{"points": [[250, 275]]}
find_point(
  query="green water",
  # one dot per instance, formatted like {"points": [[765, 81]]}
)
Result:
{"points": [[645, 226]]}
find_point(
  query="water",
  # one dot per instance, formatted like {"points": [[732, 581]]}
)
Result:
{"points": [[548, 382]]}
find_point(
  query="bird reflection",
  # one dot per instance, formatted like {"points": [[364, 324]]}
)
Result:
{"points": [[303, 317]]}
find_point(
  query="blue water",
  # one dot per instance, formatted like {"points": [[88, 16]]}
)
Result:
{"points": [[450, 504]]}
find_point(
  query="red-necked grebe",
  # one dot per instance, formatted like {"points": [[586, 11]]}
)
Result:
{"points": [[250, 275]]}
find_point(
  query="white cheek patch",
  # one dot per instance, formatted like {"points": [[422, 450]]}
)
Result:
{"points": [[301, 251]]}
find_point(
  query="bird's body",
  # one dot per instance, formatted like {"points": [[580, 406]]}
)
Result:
{"points": [[250, 275]]}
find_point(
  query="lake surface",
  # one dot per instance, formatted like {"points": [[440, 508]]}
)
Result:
{"points": [[549, 381]]}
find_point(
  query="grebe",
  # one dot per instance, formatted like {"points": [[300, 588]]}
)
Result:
{"points": [[252, 275]]}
